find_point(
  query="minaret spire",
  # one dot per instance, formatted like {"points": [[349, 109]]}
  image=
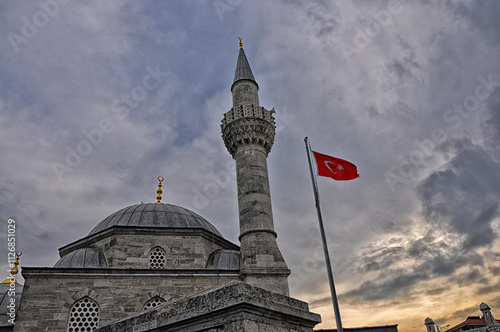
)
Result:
{"points": [[248, 132], [243, 70]]}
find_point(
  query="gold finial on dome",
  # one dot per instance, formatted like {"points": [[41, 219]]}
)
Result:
{"points": [[14, 271], [159, 191], [241, 44]]}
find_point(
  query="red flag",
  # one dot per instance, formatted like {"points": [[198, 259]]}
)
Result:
{"points": [[335, 168]]}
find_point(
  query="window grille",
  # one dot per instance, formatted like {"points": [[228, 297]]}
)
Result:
{"points": [[153, 302], [83, 316], [157, 258]]}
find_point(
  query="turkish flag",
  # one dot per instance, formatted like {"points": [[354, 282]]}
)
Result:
{"points": [[335, 168]]}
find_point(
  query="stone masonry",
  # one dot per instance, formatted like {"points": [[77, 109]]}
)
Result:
{"points": [[183, 250], [49, 293], [235, 306]]}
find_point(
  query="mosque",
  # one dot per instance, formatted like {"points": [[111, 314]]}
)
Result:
{"points": [[162, 267]]}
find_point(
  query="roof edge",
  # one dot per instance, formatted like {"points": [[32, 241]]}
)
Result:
{"points": [[91, 239], [30, 271]]}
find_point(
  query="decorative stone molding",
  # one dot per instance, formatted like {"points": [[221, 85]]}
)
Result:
{"points": [[87, 292], [248, 130], [245, 111], [150, 295]]}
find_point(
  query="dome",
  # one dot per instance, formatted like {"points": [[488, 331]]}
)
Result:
{"points": [[221, 259], [84, 257], [153, 215]]}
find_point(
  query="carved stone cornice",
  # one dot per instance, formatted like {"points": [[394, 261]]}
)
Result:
{"points": [[248, 130]]}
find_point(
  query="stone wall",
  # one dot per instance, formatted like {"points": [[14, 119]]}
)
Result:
{"points": [[49, 293], [235, 306], [132, 250]]}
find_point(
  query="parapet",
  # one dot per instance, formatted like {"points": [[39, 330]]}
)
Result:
{"points": [[244, 111]]}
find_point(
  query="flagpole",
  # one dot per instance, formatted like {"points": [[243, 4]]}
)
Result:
{"points": [[325, 246]]}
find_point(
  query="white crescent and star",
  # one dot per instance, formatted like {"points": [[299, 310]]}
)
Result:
{"points": [[339, 167]]}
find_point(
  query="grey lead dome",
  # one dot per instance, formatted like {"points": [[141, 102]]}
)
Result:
{"points": [[221, 259], [84, 257], [154, 215]]}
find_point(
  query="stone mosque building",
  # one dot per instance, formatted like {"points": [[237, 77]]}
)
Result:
{"points": [[162, 267]]}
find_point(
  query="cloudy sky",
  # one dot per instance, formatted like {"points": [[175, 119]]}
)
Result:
{"points": [[99, 98]]}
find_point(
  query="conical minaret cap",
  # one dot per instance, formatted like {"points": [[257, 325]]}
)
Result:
{"points": [[429, 321], [484, 306], [243, 70]]}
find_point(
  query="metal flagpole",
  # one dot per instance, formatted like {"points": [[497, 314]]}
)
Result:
{"points": [[325, 246]]}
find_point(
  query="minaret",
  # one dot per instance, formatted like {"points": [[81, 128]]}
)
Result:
{"points": [[248, 131], [431, 326], [488, 316]]}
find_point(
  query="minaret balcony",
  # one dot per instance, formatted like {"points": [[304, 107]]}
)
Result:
{"points": [[246, 111]]}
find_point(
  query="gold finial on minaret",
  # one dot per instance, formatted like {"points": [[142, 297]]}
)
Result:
{"points": [[241, 44], [159, 191], [14, 271]]}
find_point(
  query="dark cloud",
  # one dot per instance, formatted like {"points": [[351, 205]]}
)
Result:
{"points": [[458, 316], [321, 302], [380, 259], [425, 257], [484, 18], [396, 286], [406, 67], [421, 246], [491, 122], [436, 291], [464, 194], [473, 276]]}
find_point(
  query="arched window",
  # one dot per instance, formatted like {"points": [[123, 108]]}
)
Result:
{"points": [[157, 258], [153, 302], [83, 316]]}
